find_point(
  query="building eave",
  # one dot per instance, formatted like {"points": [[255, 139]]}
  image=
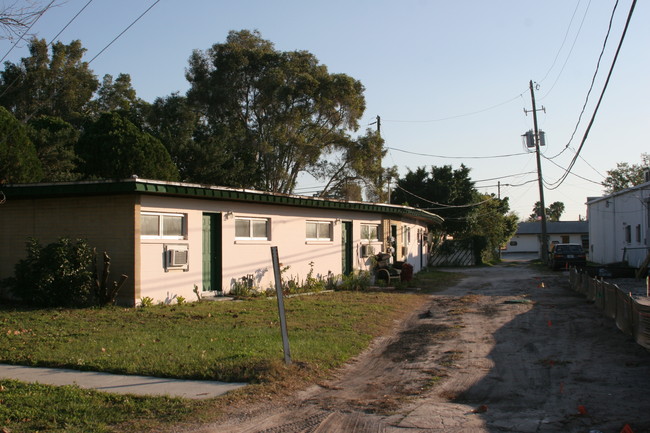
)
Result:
{"points": [[206, 192]]}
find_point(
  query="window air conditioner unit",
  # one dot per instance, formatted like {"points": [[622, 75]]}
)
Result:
{"points": [[367, 250], [177, 258]]}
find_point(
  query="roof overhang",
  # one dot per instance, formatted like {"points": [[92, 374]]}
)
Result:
{"points": [[206, 192]]}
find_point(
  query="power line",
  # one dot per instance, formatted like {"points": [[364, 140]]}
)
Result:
{"points": [[443, 206], [566, 35], [456, 157], [70, 22], [506, 176], [472, 113], [124, 31], [570, 52], [576, 175], [40, 14], [600, 99], [48, 45], [593, 80]]}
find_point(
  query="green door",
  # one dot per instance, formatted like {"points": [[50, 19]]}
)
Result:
{"points": [[212, 252], [346, 247]]}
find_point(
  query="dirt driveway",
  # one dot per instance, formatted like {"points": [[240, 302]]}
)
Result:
{"points": [[509, 349]]}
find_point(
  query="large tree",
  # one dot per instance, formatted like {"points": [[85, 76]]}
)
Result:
{"points": [[445, 191], [553, 212], [59, 85], [18, 160], [274, 112], [55, 140], [351, 166], [114, 95], [492, 220], [626, 175], [113, 147]]}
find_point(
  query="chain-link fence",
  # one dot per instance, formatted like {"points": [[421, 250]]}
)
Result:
{"points": [[632, 315]]}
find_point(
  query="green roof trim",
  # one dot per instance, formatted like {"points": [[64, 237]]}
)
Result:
{"points": [[145, 186]]}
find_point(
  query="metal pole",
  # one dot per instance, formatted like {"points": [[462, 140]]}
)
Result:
{"points": [[278, 291], [539, 180]]}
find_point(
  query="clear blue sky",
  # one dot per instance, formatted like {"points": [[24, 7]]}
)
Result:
{"points": [[449, 79]]}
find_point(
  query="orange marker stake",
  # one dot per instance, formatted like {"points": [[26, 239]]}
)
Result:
{"points": [[582, 410], [627, 429]]}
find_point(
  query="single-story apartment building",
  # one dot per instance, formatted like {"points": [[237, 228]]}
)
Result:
{"points": [[528, 237], [619, 225], [171, 237]]}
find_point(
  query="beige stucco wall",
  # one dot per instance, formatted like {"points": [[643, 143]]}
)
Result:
{"points": [[107, 222], [112, 223], [241, 258]]}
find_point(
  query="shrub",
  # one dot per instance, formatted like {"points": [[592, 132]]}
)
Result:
{"points": [[355, 281], [59, 274]]}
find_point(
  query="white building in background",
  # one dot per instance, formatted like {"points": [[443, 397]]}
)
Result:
{"points": [[528, 237], [618, 225]]}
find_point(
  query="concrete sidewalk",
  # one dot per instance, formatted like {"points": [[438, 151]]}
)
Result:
{"points": [[119, 384]]}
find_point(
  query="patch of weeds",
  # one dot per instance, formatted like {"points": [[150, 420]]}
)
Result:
{"points": [[450, 358], [489, 310], [146, 302]]}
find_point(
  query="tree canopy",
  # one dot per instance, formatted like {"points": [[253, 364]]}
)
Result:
{"points": [[275, 111], [253, 117], [553, 212], [450, 193], [113, 147], [59, 85], [54, 140], [18, 160], [626, 175], [443, 190]]}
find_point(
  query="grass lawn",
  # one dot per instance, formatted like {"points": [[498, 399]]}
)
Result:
{"points": [[228, 341]]}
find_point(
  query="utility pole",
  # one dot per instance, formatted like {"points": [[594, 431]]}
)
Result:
{"points": [[539, 176], [378, 123]]}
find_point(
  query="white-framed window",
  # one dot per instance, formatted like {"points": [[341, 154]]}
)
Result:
{"points": [[406, 235], [161, 225], [318, 231], [252, 229], [370, 232]]}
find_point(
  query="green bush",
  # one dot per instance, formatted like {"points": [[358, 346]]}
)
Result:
{"points": [[59, 274], [356, 281]]}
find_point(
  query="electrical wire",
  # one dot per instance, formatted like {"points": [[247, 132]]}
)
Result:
{"points": [[27, 30], [444, 206], [561, 180], [576, 175], [456, 157], [520, 95], [593, 80], [503, 177], [70, 22], [570, 52], [124, 31], [48, 45], [566, 35], [6, 137]]}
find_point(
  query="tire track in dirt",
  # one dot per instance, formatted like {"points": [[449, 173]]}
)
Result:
{"points": [[498, 352]]}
